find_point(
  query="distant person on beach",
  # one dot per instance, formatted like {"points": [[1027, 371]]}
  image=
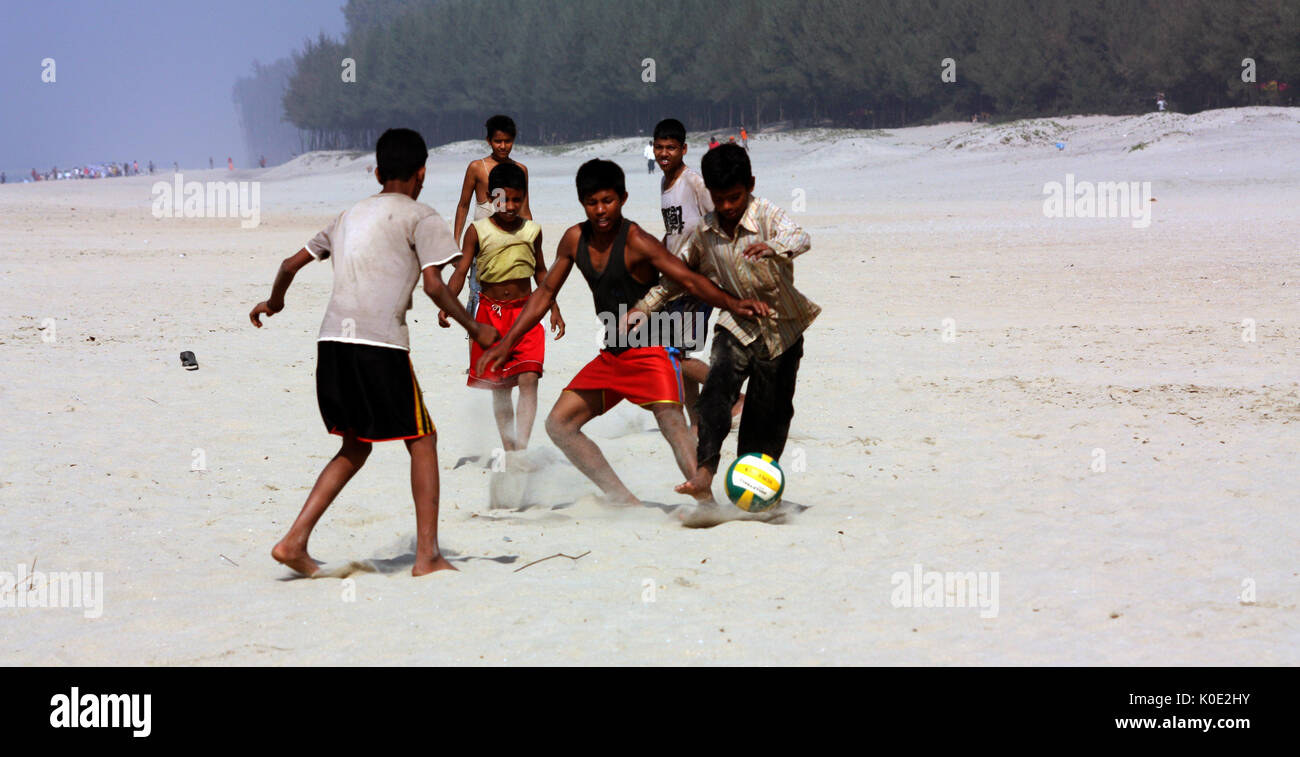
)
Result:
{"points": [[649, 153], [620, 263], [744, 138], [501, 133], [1160, 102], [713, 142], [3, 178], [507, 251], [365, 383], [151, 168], [176, 167], [210, 163], [230, 164], [261, 161], [747, 245]]}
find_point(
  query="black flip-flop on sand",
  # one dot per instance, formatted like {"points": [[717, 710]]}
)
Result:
{"points": [[188, 361]]}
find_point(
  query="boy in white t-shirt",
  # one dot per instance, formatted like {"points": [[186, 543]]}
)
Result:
{"points": [[365, 384], [684, 201]]}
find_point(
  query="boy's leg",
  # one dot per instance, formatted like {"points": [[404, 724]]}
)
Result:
{"points": [[564, 425], [424, 489], [694, 373], [504, 411], [729, 364], [526, 412], [292, 549], [672, 424], [765, 423]]}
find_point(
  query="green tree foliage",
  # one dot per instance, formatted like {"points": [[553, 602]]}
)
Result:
{"points": [[573, 69]]}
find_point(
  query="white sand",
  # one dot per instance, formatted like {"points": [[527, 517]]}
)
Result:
{"points": [[970, 455]]}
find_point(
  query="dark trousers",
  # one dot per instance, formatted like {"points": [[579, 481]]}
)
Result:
{"points": [[769, 404]]}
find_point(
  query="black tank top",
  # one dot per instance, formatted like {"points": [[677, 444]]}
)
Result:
{"points": [[614, 287]]}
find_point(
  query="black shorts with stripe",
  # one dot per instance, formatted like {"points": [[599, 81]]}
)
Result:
{"points": [[369, 392]]}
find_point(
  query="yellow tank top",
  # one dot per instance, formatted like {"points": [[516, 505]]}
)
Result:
{"points": [[505, 255]]}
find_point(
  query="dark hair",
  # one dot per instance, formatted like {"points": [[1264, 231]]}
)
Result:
{"points": [[725, 166], [671, 128], [399, 154], [508, 176], [500, 123], [597, 174]]}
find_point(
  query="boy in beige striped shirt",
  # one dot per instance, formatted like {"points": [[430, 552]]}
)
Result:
{"points": [[747, 246]]}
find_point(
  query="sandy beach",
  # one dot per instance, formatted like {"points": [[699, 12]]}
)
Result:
{"points": [[973, 357]]}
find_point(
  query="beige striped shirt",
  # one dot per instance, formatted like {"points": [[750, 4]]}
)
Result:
{"points": [[709, 251]]}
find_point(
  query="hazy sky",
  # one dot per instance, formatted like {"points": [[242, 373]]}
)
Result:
{"points": [[138, 79]]}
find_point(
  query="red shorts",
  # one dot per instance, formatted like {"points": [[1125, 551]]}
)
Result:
{"points": [[525, 357], [641, 375]]}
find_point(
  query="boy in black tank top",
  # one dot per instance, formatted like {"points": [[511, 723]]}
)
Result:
{"points": [[620, 262]]}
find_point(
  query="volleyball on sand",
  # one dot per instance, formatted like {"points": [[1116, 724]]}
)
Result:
{"points": [[755, 482]]}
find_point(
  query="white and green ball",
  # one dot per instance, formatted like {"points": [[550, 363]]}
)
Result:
{"points": [[755, 482]]}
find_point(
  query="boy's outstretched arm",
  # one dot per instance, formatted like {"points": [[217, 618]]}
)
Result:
{"points": [[672, 266], [482, 333], [539, 273], [289, 268], [462, 207], [538, 303], [468, 249], [525, 211]]}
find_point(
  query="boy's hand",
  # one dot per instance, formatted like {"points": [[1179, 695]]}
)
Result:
{"points": [[486, 335], [263, 308], [751, 309], [491, 360], [442, 319], [557, 323], [758, 251], [630, 320]]}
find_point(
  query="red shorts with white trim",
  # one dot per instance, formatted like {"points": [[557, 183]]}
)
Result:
{"points": [[640, 375], [525, 357]]}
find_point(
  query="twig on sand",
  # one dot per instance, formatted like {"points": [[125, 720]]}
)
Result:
{"points": [[30, 577], [227, 559], [557, 554]]}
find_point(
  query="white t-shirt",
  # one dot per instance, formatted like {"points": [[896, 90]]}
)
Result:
{"points": [[378, 248], [684, 205]]}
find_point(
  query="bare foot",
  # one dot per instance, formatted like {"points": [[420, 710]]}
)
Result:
{"points": [[698, 486], [425, 567], [295, 558]]}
